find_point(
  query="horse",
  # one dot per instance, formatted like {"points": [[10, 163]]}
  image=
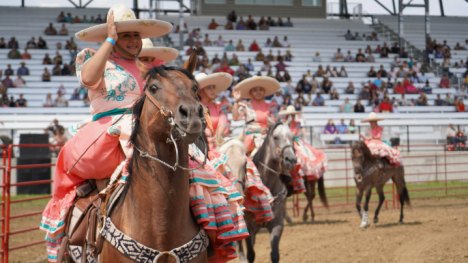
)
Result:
{"points": [[310, 194], [274, 160], [374, 172], [154, 208]]}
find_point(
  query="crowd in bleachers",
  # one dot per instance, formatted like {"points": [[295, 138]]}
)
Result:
{"points": [[70, 19]]}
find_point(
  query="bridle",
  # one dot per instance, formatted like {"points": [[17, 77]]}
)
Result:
{"points": [[281, 158], [170, 116]]}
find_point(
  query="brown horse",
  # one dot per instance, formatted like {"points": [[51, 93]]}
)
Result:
{"points": [[155, 209], [310, 194], [375, 172]]}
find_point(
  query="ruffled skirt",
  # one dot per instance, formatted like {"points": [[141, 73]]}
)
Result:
{"points": [[313, 162], [381, 149]]}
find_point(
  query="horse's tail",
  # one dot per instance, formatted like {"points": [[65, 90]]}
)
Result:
{"points": [[321, 190], [405, 196]]}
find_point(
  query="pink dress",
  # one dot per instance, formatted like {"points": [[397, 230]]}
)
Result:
{"points": [[257, 195], [313, 162], [212, 201], [381, 149]]}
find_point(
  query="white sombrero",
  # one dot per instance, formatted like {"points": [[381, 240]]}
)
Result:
{"points": [[164, 53], [289, 110], [221, 81], [270, 85], [125, 21], [372, 117]]}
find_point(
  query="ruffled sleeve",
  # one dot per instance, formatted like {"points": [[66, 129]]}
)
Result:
{"points": [[81, 59]]}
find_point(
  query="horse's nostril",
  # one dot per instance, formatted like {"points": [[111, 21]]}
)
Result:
{"points": [[183, 111]]}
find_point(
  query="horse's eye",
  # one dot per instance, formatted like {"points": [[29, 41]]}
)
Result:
{"points": [[276, 138], [153, 89]]}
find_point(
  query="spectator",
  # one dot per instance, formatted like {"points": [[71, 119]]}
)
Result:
{"points": [[462, 92], [14, 54], [63, 31], [395, 108], [8, 82], [335, 95], [425, 68], [268, 43], [194, 33], [448, 100], [411, 89], [452, 134], [69, 18], [276, 42], [384, 51], [415, 66], [466, 45], [330, 128], [303, 86], [77, 20], [342, 128], [84, 20], [207, 42], [395, 49], [444, 82], [62, 89], [385, 106], [240, 25], [46, 75], [343, 73], [278, 77], [99, 19], [318, 101], [317, 57], [251, 25], [422, 100], [41, 43], [58, 58], [460, 107], [288, 23], [326, 86], [249, 65], [266, 65], [61, 17], [50, 30], [66, 70], [13, 43], [220, 41], [3, 45], [23, 70], [357, 37], [438, 101], [61, 101], [349, 57], [75, 95], [9, 71], [288, 56], [12, 102], [213, 25], [427, 88], [270, 56], [230, 46], [422, 78], [57, 71], [360, 57], [372, 73], [350, 88], [285, 42], [240, 46], [382, 72], [401, 73], [260, 56], [234, 60], [314, 84], [348, 35], [253, 46], [26, 55], [229, 26], [92, 21], [232, 16], [320, 72], [370, 58], [364, 94], [59, 45], [19, 81], [368, 50], [377, 82], [21, 102], [31, 43], [338, 56], [281, 66], [225, 68], [286, 76], [439, 53], [48, 102], [347, 107], [188, 42], [328, 72], [288, 89], [403, 101]]}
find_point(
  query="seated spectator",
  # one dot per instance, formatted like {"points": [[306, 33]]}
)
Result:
{"points": [[425, 68], [360, 57], [384, 51], [352, 128], [266, 65], [23, 70], [285, 42], [3, 44], [270, 74], [21, 102], [188, 42], [75, 95], [347, 107], [286, 76], [382, 72], [317, 57], [77, 20], [12, 102], [61, 17], [254, 46], [368, 50], [462, 92], [423, 78], [14, 54], [349, 57], [66, 70], [48, 102], [403, 53], [234, 60], [448, 100], [452, 134], [460, 107], [232, 16], [207, 42], [411, 89], [330, 128], [25, 55], [288, 56], [57, 71], [372, 73], [401, 73], [338, 56], [8, 82], [225, 68], [213, 25], [46, 75], [281, 66], [41, 43], [99, 19], [318, 101], [303, 86], [364, 94], [84, 20], [260, 56], [427, 88], [350, 88], [444, 82], [395, 108], [342, 127], [335, 95], [320, 72], [50, 30], [370, 58], [13, 43], [9, 71], [194, 33], [280, 22], [326, 86], [229, 26], [63, 31], [92, 21], [69, 18], [377, 82], [230, 46], [385, 106], [278, 77], [220, 41], [31, 43], [359, 107], [343, 73], [395, 49], [357, 37], [19, 82], [288, 23], [328, 72], [249, 65], [279, 56], [422, 100], [439, 53], [438, 101], [240, 25], [251, 25], [348, 35], [61, 101], [276, 43], [240, 46], [270, 56]]}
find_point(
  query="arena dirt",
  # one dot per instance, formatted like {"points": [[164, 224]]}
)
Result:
{"points": [[434, 231]]}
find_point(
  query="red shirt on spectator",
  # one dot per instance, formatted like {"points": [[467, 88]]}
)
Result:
{"points": [[225, 68], [399, 89], [461, 108], [254, 47], [445, 83], [385, 106], [373, 87]]}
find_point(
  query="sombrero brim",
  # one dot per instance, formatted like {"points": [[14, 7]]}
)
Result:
{"points": [[147, 28], [285, 112], [374, 119], [221, 81], [165, 53], [270, 85]]}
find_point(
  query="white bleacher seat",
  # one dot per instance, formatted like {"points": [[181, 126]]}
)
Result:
{"points": [[343, 137]]}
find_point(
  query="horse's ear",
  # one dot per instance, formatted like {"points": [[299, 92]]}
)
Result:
{"points": [[241, 136], [271, 122], [288, 122], [143, 69], [219, 139], [191, 63]]}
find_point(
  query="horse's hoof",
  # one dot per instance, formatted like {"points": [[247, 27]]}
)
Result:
{"points": [[304, 218], [400, 222], [312, 221], [365, 224], [376, 220]]}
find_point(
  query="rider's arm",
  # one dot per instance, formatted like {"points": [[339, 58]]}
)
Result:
{"points": [[236, 115]]}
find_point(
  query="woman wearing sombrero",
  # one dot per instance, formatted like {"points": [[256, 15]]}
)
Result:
{"points": [[376, 146], [257, 112], [156, 56], [255, 194], [312, 161]]}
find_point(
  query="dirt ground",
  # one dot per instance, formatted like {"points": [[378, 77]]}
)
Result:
{"points": [[434, 231]]}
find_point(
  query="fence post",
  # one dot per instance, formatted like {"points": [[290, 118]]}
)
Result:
{"points": [[4, 155], [346, 167], [311, 130], [7, 203], [407, 137], [445, 164]]}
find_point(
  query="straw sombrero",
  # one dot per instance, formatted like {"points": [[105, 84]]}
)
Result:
{"points": [[221, 81], [372, 117], [125, 21], [164, 53], [289, 110], [270, 85]]}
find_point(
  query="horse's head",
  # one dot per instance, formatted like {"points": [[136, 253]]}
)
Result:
{"points": [[236, 151], [360, 154], [172, 102], [281, 143]]}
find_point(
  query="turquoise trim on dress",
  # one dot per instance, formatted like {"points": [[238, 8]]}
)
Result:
{"points": [[110, 113]]}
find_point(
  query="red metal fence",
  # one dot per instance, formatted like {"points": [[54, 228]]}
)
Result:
{"points": [[444, 171]]}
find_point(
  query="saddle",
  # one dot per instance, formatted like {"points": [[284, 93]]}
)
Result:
{"points": [[83, 218]]}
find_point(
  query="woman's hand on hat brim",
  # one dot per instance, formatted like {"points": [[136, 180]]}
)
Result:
{"points": [[111, 30]]}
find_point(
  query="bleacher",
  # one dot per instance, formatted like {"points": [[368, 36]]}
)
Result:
{"points": [[306, 37]]}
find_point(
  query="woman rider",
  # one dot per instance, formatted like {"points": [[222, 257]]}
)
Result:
{"points": [[156, 56], [257, 195], [376, 146], [113, 80], [258, 113]]}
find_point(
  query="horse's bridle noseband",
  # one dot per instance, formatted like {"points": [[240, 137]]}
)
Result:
{"points": [[167, 113], [281, 158]]}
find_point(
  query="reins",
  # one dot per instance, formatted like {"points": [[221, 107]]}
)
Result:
{"points": [[281, 158]]}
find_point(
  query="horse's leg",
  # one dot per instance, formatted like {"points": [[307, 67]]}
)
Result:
{"points": [[312, 186], [381, 200], [242, 257], [359, 193], [250, 242], [307, 194], [402, 191], [276, 230], [365, 220]]}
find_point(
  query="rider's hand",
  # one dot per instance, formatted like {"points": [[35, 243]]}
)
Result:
{"points": [[236, 94], [111, 31], [263, 132]]}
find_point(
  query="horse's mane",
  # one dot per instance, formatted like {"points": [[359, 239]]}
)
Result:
{"points": [[260, 155], [368, 157]]}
